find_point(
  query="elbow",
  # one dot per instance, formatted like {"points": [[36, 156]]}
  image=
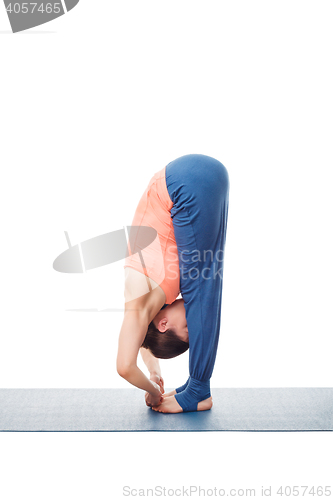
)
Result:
{"points": [[124, 369]]}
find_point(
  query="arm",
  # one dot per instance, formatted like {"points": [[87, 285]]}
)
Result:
{"points": [[151, 362], [154, 369], [132, 334]]}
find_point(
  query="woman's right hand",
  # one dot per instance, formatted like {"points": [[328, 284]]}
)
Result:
{"points": [[156, 398]]}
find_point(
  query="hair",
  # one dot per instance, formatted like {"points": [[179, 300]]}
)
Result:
{"points": [[164, 345]]}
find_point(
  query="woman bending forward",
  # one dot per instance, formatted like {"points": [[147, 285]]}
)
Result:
{"points": [[187, 204]]}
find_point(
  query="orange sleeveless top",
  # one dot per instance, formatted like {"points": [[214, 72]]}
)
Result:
{"points": [[160, 258]]}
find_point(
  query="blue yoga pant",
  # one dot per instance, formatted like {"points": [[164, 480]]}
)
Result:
{"points": [[198, 186]]}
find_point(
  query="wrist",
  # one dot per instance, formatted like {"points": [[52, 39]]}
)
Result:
{"points": [[155, 390]]}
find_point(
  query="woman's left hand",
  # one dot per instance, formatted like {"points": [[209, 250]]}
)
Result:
{"points": [[154, 400], [149, 399], [154, 377]]}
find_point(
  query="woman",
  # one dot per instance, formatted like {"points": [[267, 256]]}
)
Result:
{"points": [[187, 204]]}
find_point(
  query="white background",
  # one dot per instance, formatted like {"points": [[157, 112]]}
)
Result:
{"points": [[92, 105]]}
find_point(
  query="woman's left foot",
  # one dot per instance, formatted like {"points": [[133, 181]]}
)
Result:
{"points": [[170, 405]]}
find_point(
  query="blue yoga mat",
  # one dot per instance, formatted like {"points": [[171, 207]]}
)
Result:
{"points": [[234, 409]]}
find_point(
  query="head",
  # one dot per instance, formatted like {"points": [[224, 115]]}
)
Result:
{"points": [[167, 334]]}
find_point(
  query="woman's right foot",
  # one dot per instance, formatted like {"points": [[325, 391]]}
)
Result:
{"points": [[171, 405], [202, 406], [206, 404], [172, 393]]}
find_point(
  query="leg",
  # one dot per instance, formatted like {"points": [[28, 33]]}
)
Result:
{"points": [[199, 187]]}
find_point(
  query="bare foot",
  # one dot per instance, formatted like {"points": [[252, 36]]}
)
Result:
{"points": [[206, 404], [170, 405], [172, 393]]}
